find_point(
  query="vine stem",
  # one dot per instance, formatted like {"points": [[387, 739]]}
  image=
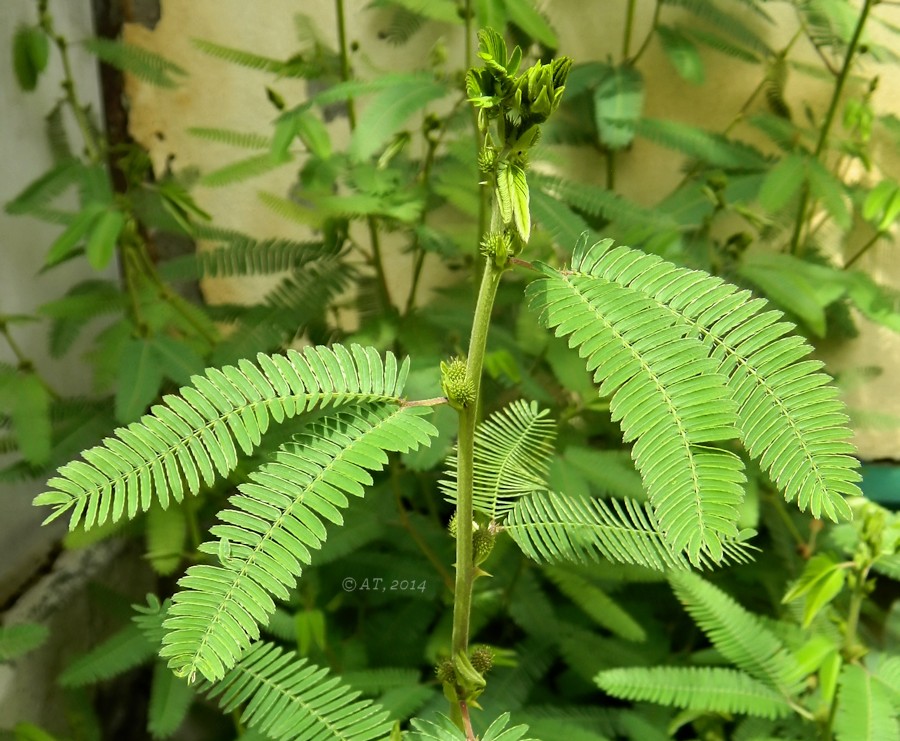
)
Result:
{"points": [[629, 26], [91, 145], [25, 363], [374, 237], [824, 132]]}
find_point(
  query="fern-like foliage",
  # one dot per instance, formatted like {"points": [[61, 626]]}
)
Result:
{"points": [[866, 709], [621, 307], [703, 689], [170, 701], [287, 698], [125, 649], [239, 255], [239, 139], [142, 63], [512, 452], [275, 521], [443, 729], [667, 395], [552, 528], [195, 434], [737, 634]]}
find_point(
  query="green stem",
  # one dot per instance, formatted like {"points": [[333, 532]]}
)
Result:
{"points": [[629, 27], [91, 145], [649, 37], [863, 250], [856, 601], [417, 242], [468, 22], [468, 418], [24, 362], [825, 131], [374, 237]]}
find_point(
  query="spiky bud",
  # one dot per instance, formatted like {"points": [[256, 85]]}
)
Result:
{"points": [[451, 526], [482, 659], [457, 387], [482, 543], [497, 246], [487, 158], [445, 672]]}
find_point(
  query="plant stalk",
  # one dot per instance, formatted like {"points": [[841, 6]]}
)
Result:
{"points": [[629, 27], [91, 145], [825, 131], [468, 418], [374, 238]]}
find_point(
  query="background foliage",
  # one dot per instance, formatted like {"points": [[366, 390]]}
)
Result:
{"points": [[785, 211]]}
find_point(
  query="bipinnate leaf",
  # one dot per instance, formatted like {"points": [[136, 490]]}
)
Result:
{"points": [[194, 435], [275, 522], [701, 689], [865, 711]]}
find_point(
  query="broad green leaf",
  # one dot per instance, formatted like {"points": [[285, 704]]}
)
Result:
{"points": [[140, 377], [25, 398], [875, 302], [821, 581], [796, 285], [104, 236], [166, 532], [682, 53], [830, 190], [314, 135], [782, 182], [520, 208], [882, 205], [618, 102], [526, 17], [170, 701], [16, 640], [178, 360], [389, 110], [445, 11], [491, 14], [73, 233], [30, 52]]}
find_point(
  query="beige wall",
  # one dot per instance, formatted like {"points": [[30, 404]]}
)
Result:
{"points": [[219, 94]]}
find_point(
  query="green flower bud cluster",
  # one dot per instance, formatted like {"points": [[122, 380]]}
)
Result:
{"points": [[482, 658], [456, 385], [498, 246], [483, 542], [520, 102]]}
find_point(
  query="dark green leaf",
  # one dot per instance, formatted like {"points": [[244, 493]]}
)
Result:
{"points": [[782, 182], [73, 233], [524, 15], [140, 378], [682, 53], [178, 360], [389, 110], [16, 640], [30, 53], [618, 102], [104, 236]]}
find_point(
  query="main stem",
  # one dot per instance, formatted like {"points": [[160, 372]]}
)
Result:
{"points": [[468, 418], [372, 222], [829, 118]]}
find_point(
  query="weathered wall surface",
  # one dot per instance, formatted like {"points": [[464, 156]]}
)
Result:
{"points": [[219, 94]]}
